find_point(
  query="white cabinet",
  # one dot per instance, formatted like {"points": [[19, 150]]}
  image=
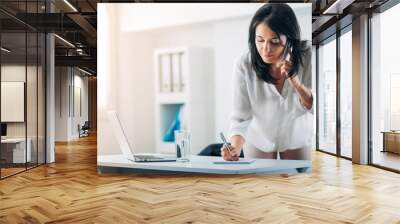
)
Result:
{"points": [[184, 81], [12, 101]]}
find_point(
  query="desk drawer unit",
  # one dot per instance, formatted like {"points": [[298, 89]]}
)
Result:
{"points": [[13, 151]]}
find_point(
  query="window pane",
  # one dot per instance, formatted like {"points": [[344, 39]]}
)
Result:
{"points": [[346, 94], [314, 78], [385, 84], [327, 97]]}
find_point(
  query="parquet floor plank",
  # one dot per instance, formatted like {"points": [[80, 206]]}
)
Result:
{"points": [[71, 191]]}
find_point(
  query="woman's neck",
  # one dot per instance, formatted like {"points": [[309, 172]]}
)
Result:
{"points": [[276, 74]]}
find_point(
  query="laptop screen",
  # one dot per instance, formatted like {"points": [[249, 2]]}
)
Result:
{"points": [[119, 134], [3, 129]]}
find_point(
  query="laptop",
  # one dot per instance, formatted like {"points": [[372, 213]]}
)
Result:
{"points": [[125, 147], [3, 131]]}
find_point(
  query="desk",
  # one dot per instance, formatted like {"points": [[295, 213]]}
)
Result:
{"points": [[391, 141], [200, 164], [18, 151]]}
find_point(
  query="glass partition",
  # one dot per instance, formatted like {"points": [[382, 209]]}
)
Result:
{"points": [[32, 95], [23, 91], [41, 107], [14, 153]]}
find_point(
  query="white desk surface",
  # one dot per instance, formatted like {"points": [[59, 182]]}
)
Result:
{"points": [[13, 140], [204, 164]]}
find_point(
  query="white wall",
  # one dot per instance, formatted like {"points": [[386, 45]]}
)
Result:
{"points": [[150, 16], [153, 16], [80, 83], [107, 76], [67, 81], [61, 104], [126, 81]]}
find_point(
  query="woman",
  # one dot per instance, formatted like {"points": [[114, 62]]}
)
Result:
{"points": [[272, 98]]}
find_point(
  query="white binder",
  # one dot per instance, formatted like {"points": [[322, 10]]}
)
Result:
{"points": [[165, 72], [176, 72]]}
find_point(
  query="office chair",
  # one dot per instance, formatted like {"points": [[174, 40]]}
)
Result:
{"points": [[84, 130], [214, 150]]}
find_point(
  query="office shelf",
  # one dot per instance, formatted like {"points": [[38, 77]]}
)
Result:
{"points": [[171, 98], [184, 81]]}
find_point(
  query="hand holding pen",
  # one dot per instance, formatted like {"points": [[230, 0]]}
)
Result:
{"points": [[229, 152]]}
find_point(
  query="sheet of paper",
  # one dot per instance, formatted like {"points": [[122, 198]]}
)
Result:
{"points": [[240, 161]]}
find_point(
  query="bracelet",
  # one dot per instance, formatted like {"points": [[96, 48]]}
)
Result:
{"points": [[295, 85]]}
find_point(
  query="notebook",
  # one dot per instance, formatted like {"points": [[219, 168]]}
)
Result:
{"points": [[240, 161]]}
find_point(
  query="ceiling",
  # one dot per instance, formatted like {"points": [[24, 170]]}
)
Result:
{"points": [[76, 22]]}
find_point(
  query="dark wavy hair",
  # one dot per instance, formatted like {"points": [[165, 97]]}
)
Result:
{"points": [[281, 19]]}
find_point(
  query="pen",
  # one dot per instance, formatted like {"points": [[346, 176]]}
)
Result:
{"points": [[225, 142]]}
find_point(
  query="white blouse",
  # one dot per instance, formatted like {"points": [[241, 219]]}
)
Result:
{"points": [[268, 120]]}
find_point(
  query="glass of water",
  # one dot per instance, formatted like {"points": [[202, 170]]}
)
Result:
{"points": [[182, 144]]}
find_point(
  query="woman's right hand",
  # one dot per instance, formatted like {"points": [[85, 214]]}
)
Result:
{"points": [[230, 156]]}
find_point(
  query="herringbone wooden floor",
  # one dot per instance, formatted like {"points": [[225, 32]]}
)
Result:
{"points": [[71, 191]]}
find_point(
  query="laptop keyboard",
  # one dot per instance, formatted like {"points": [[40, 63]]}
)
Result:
{"points": [[147, 157]]}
